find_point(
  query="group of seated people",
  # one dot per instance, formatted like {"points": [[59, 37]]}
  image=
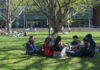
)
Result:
{"points": [[54, 47]]}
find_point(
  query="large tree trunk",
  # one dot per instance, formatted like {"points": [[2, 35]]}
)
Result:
{"points": [[9, 30], [57, 29], [9, 23], [56, 25]]}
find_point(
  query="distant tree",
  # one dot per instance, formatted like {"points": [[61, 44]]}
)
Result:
{"points": [[13, 9]]}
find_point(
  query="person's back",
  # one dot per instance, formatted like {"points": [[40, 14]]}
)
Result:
{"points": [[58, 48], [47, 47], [47, 50]]}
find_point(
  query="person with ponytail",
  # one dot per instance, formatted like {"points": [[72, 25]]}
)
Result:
{"points": [[59, 48], [47, 47]]}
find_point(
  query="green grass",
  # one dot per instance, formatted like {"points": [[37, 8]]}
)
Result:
{"points": [[12, 55]]}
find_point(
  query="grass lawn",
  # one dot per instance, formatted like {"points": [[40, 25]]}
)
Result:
{"points": [[12, 55]]}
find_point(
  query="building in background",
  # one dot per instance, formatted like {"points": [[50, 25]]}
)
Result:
{"points": [[36, 19], [96, 12]]}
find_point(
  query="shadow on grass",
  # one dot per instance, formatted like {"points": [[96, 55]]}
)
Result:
{"points": [[63, 64], [44, 63], [48, 63]]}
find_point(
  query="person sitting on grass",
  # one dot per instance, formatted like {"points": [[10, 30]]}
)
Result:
{"points": [[83, 50], [31, 47], [47, 47], [59, 48], [92, 42], [53, 38], [74, 45]]}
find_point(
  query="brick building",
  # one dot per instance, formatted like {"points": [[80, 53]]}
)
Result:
{"points": [[96, 14]]}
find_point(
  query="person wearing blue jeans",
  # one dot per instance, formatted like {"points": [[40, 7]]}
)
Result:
{"points": [[31, 47]]}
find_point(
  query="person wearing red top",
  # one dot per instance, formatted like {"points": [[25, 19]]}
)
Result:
{"points": [[47, 47]]}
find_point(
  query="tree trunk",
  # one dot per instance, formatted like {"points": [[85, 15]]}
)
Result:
{"points": [[56, 30], [57, 26], [9, 30], [9, 23]]}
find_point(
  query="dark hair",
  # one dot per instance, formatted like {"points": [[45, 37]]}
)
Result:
{"points": [[58, 39], [89, 36], [86, 39], [75, 36], [48, 39], [30, 38], [53, 34]]}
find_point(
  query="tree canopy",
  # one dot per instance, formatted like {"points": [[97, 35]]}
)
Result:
{"points": [[58, 12], [65, 9]]}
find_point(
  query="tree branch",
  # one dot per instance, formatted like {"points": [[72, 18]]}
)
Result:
{"points": [[19, 14], [66, 4], [40, 7], [47, 1], [3, 18], [17, 6], [58, 3], [60, 9], [72, 15]]}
